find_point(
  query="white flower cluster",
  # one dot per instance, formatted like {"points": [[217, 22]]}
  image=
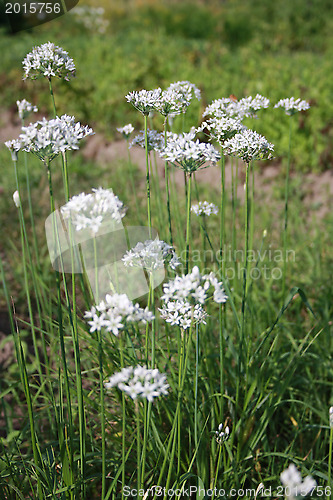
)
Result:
{"points": [[187, 153], [292, 105], [151, 255], [204, 208], [25, 108], [47, 138], [48, 60], [171, 102], [221, 128], [114, 312], [88, 210], [222, 434], [144, 100], [249, 145], [14, 147], [294, 486], [16, 199], [182, 313], [139, 382], [245, 107], [187, 90], [155, 140], [185, 295], [92, 18], [126, 130]]}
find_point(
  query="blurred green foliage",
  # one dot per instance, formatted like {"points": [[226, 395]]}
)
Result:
{"points": [[232, 47]]}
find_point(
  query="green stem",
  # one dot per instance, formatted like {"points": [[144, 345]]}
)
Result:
{"points": [[52, 97], [188, 223], [286, 199], [330, 462], [167, 184], [147, 174], [196, 394], [217, 470]]}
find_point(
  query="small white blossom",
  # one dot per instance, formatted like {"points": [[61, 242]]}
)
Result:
{"points": [[187, 91], [14, 147], [249, 105], [151, 255], [144, 100], [114, 312], [187, 153], [48, 60], [185, 296], [221, 128], [171, 102], [16, 199], [292, 105], [89, 210], [139, 382], [331, 417], [230, 106], [155, 140], [126, 130], [222, 434], [204, 208], [25, 108], [294, 486], [249, 145], [48, 138]]}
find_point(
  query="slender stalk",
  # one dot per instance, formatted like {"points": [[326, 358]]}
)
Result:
{"points": [[52, 96], [217, 470], [167, 184], [147, 174], [196, 393], [221, 271], [286, 199], [329, 484], [138, 445], [188, 223]]}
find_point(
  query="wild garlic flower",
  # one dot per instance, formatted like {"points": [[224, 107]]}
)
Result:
{"points": [[48, 60], [126, 130], [16, 199], [245, 107], [171, 102], [14, 147], [144, 100], [188, 154], [151, 255], [48, 138], [222, 434], [221, 128], [185, 295], [114, 312], [139, 382], [155, 140], [182, 313], [331, 417], [249, 145], [204, 208], [25, 108], [292, 105], [249, 105], [89, 210], [187, 91], [294, 486]]}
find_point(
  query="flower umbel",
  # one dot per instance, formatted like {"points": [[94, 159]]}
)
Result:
{"points": [[48, 60], [294, 485], [151, 255], [89, 210], [126, 130], [292, 105], [204, 208], [144, 100], [25, 108], [114, 312], [186, 91], [48, 138], [188, 154], [222, 434], [155, 140], [249, 145], [139, 382]]}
